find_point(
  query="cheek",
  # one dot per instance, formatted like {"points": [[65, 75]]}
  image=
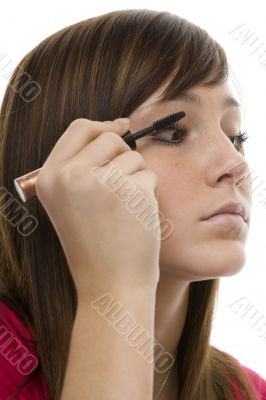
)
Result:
{"points": [[175, 190], [176, 193]]}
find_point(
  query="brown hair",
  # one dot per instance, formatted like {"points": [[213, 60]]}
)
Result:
{"points": [[100, 68]]}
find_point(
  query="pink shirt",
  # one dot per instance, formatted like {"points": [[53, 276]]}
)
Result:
{"points": [[18, 358], [258, 382]]}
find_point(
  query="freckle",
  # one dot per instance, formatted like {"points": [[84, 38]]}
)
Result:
{"points": [[177, 163]]}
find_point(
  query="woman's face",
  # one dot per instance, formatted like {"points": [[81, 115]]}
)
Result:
{"points": [[195, 178]]}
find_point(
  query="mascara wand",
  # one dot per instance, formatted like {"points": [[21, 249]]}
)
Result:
{"points": [[130, 138]]}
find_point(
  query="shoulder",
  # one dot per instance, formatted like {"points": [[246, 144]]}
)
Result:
{"points": [[18, 358], [256, 379]]}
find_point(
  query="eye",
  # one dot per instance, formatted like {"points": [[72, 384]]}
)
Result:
{"points": [[176, 132], [238, 140]]}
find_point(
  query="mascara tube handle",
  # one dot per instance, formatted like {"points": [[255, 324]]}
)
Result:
{"points": [[129, 139], [25, 185]]}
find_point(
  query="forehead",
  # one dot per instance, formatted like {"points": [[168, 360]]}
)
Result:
{"points": [[219, 96], [196, 95]]}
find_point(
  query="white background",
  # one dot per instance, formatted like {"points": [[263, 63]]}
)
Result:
{"points": [[24, 24]]}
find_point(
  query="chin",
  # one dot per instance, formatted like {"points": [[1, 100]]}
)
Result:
{"points": [[205, 261]]}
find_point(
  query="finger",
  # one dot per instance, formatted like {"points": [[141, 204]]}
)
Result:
{"points": [[78, 134], [125, 163], [101, 150], [128, 162]]}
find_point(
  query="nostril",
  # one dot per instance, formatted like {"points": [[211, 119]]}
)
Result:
{"points": [[227, 175]]}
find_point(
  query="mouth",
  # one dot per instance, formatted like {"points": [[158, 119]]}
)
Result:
{"points": [[232, 212]]}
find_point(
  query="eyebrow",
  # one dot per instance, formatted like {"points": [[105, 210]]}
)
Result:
{"points": [[191, 97]]}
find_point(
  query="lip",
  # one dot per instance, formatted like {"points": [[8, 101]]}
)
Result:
{"points": [[227, 219], [231, 209]]}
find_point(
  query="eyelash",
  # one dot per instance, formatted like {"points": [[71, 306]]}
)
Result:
{"points": [[241, 138]]}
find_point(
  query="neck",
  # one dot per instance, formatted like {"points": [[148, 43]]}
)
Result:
{"points": [[170, 316]]}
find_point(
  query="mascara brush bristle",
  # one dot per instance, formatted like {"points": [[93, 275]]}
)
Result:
{"points": [[170, 119]]}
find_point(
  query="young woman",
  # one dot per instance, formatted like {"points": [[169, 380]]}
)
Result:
{"points": [[90, 254]]}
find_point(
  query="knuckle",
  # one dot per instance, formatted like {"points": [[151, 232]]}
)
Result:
{"points": [[152, 175], [68, 176], [138, 157], [114, 139], [108, 135], [80, 122]]}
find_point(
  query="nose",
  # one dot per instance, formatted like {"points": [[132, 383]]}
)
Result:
{"points": [[226, 163]]}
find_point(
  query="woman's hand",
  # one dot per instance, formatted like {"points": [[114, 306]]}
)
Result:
{"points": [[104, 241]]}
